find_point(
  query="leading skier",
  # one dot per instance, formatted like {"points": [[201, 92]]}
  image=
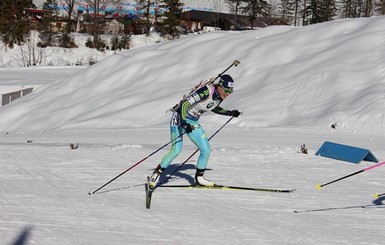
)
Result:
{"points": [[186, 119]]}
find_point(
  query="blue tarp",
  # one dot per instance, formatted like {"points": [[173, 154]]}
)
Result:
{"points": [[345, 153]]}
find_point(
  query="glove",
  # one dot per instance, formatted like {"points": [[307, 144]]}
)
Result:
{"points": [[188, 127], [235, 113]]}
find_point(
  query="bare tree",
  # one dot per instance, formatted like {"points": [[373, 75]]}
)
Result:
{"points": [[98, 7], [70, 8], [144, 5], [218, 6], [29, 54], [234, 6]]}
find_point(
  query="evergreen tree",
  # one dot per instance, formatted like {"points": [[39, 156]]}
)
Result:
{"points": [[125, 41], [255, 8], [358, 8], [321, 11], [173, 17], [50, 8], [288, 10], [14, 25], [328, 10], [379, 7]]}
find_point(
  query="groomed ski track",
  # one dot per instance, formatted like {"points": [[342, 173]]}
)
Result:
{"points": [[45, 184]]}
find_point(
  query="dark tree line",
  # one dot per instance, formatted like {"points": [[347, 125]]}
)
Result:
{"points": [[317, 11], [15, 23], [303, 12]]}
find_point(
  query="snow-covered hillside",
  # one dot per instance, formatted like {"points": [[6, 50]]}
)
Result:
{"points": [[314, 76]]}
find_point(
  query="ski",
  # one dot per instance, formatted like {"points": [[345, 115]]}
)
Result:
{"points": [[149, 192], [224, 187]]}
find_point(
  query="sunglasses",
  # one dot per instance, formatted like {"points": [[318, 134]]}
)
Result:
{"points": [[228, 90]]}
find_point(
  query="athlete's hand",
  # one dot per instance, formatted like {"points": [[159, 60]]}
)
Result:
{"points": [[188, 127], [235, 113]]}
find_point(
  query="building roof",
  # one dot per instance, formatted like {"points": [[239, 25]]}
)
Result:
{"points": [[207, 18]]}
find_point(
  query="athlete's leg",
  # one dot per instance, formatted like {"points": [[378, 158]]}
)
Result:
{"points": [[176, 148], [199, 138], [177, 142]]}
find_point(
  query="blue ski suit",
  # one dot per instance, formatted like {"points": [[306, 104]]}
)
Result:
{"points": [[204, 99]]}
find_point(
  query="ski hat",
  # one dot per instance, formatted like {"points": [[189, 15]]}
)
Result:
{"points": [[226, 81]]}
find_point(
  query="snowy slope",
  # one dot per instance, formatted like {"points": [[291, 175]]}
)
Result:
{"points": [[289, 77]]}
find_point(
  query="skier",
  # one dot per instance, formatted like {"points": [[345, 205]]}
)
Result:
{"points": [[185, 119]]}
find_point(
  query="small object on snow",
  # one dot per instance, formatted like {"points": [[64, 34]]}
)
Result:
{"points": [[303, 149], [73, 147], [29, 141], [377, 195], [333, 126]]}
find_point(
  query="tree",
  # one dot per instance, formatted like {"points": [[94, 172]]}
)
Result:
{"points": [[320, 11], [379, 7], [255, 8], [328, 10], [14, 25], [29, 53], [50, 8], [70, 8], [289, 10], [144, 6], [360, 8], [218, 6], [173, 12], [98, 6], [234, 8]]}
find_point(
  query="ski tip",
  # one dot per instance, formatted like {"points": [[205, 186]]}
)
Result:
{"points": [[318, 187], [376, 195]]}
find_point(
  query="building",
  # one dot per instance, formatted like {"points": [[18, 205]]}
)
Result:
{"points": [[194, 20]]}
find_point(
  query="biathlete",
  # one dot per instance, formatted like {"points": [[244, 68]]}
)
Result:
{"points": [[186, 119]]}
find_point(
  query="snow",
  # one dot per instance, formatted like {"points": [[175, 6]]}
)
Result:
{"points": [[55, 56], [293, 83]]}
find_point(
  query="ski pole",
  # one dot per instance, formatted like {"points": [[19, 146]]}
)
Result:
{"points": [[136, 164], [166, 180], [376, 195], [318, 186]]}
